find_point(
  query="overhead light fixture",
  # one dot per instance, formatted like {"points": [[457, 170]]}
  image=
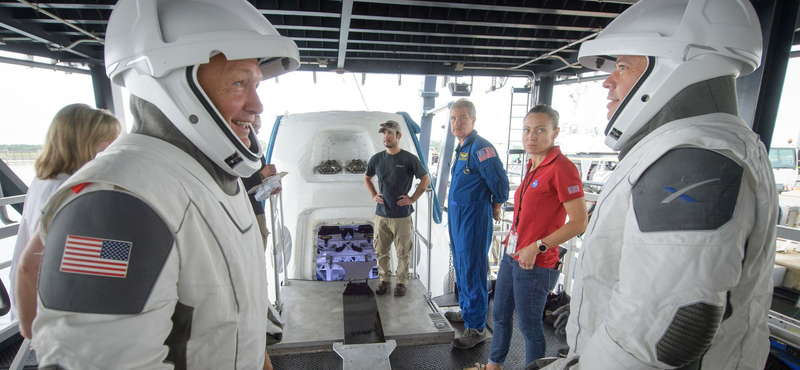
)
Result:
{"points": [[460, 88]]}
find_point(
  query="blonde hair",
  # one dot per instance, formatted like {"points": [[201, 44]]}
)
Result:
{"points": [[72, 139]]}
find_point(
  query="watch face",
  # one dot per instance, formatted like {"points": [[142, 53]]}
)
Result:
{"points": [[542, 248]]}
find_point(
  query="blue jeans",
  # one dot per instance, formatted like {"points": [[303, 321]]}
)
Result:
{"points": [[526, 291]]}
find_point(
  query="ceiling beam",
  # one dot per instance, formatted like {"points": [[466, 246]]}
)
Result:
{"points": [[318, 49], [344, 31], [60, 6], [450, 61], [499, 8], [391, 32], [305, 28], [37, 33], [442, 34], [432, 45], [299, 13], [471, 23], [439, 54], [372, 18], [313, 39], [73, 21], [51, 67]]}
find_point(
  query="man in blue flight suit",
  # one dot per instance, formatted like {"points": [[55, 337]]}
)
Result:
{"points": [[478, 188]]}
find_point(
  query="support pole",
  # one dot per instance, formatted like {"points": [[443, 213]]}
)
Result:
{"points": [[415, 247], [107, 95], [445, 158], [428, 95], [278, 302], [102, 88], [285, 259], [428, 295], [544, 90]]}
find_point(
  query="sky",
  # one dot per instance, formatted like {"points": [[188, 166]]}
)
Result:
{"points": [[32, 96]]}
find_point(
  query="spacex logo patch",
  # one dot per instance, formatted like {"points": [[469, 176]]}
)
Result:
{"points": [[687, 189], [682, 193]]}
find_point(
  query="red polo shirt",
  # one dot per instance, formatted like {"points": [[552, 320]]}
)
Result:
{"points": [[538, 202]]}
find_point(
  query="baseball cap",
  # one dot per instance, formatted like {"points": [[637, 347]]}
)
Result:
{"points": [[389, 125]]}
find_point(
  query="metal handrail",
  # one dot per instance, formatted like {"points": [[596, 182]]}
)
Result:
{"points": [[6, 201], [11, 227], [788, 233], [14, 199], [8, 231], [276, 215], [284, 259], [426, 241]]}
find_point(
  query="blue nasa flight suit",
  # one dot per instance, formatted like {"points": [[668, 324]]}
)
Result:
{"points": [[470, 213]]}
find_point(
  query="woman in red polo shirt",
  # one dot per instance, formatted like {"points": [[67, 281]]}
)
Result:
{"points": [[551, 190]]}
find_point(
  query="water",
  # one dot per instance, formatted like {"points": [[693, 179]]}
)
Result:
{"points": [[24, 171]]}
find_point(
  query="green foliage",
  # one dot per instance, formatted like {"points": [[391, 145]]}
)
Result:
{"points": [[20, 148], [19, 152]]}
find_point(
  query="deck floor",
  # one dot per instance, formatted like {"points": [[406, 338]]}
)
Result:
{"points": [[313, 318], [432, 356]]}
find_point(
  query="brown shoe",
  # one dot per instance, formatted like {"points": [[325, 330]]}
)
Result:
{"points": [[400, 290], [383, 287]]}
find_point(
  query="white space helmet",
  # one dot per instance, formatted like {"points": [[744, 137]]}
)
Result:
{"points": [[686, 41], [153, 48]]}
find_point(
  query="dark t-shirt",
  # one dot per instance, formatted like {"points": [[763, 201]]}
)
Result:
{"points": [[395, 175]]}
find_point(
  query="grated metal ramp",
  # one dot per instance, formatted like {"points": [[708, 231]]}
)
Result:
{"points": [[446, 300], [431, 356], [313, 317], [8, 353]]}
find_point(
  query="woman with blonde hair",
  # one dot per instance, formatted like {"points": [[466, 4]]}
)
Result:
{"points": [[78, 132]]}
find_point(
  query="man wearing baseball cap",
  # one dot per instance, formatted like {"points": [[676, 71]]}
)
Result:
{"points": [[396, 169]]}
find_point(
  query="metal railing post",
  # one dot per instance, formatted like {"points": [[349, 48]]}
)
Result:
{"points": [[428, 296], [416, 240], [278, 302], [284, 259], [569, 265]]}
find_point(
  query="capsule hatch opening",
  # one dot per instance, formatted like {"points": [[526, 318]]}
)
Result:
{"points": [[345, 252]]}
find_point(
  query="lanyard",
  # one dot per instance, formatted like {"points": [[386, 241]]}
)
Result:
{"points": [[458, 152], [526, 183]]}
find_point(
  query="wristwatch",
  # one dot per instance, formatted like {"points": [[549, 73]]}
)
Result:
{"points": [[542, 246]]}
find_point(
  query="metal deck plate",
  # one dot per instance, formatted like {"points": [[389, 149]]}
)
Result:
{"points": [[373, 356], [313, 317]]}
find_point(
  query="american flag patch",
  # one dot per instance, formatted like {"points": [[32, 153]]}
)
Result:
{"points": [[573, 189], [92, 256], [486, 153]]}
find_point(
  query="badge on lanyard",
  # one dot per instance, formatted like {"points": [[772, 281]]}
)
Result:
{"points": [[512, 242]]}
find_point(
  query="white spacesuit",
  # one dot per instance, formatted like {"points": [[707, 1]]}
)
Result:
{"points": [[676, 265], [153, 259]]}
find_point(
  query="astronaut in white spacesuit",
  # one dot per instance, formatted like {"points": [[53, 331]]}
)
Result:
{"points": [[153, 258], [675, 269]]}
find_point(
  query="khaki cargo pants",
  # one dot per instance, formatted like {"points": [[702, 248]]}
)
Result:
{"points": [[399, 231]]}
